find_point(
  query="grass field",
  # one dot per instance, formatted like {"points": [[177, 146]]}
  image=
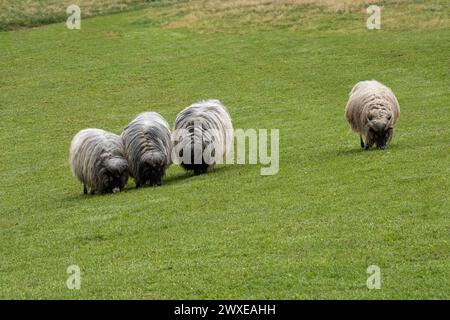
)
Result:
{"points": [[309, 232]]}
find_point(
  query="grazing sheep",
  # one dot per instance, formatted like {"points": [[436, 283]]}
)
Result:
{"points": [[372, 110], [147, 141], [203, 135], [97, 159]]}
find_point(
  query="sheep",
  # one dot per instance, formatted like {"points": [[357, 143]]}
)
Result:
{"points": [[147, 141], [203, 135], [372, 111], [97, 159]]}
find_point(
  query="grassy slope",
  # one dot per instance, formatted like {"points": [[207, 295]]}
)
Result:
{"points": [[308, 232], [31, 13]]}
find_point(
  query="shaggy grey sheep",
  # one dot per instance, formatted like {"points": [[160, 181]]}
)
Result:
{"points": [[97, 159], [372, 110], [203, 135], [147, 141]]}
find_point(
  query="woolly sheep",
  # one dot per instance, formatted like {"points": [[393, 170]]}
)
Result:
{"points": [[203, 135], [97, 160], [372, 111], [147, 141]]}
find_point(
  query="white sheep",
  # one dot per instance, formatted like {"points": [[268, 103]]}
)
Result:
{"points": [[97, 159], [202, 136], [372, 111], [147, 141]]}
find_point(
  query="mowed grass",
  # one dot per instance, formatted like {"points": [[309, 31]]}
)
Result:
{"points": [[309, 232]]}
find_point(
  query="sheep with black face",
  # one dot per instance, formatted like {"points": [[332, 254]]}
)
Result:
{"points": [[97, 159], [203, 135], [147, 141], [372, 111]]}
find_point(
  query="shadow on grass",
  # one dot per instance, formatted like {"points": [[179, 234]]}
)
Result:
{"points": [[218, 170], [169, 181], [356, 151]]}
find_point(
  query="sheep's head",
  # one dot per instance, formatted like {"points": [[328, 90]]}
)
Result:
{"points": [[380, 126], [198, 154], [114, 175], [152, 169]]}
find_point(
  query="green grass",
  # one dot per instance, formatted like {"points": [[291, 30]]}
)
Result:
{"points": [[309, 232]]}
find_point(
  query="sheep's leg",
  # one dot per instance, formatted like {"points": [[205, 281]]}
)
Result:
{"points": [[92, 191], [368, 145], [152, 180], [84, 189], [362, 142]]}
